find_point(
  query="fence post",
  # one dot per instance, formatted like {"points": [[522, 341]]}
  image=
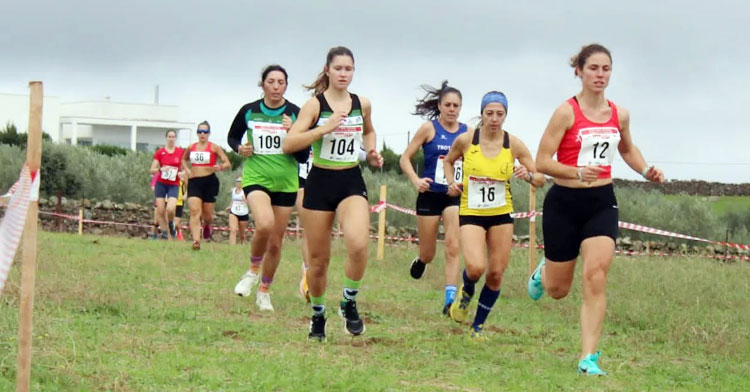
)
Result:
{"points": [[532, 229], [381, 225], [80, 221], [28, 268]]}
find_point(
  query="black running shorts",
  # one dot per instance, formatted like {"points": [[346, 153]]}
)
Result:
{"points": [[573, 214]]}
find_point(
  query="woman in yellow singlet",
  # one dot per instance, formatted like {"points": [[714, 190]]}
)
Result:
{"points": [[488, 153]]}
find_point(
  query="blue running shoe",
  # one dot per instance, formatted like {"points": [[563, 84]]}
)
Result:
{"points": [[536, 290], [589, 367]]}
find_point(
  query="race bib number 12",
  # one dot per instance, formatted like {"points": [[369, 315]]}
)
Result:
{"points": [[598, 146]]}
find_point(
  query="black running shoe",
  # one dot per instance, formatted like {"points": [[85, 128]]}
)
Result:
{"points": [[447, 309], [318, 328], [417, 268], [352, 323]]}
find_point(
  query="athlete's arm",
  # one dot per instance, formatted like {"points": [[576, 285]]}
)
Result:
{"points": [[186, 161], [527, 168], [631, 154], [237, 130], [457, 151], [154, 167], [425, 131], [560, 122], [225, 164], [369, 140], [300, 135]]}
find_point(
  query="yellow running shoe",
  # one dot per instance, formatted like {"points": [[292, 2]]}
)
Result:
{"points": [[460, 308], [477, 335]]}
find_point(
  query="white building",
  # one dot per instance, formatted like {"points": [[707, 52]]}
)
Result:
{"points": [[135, 126]]}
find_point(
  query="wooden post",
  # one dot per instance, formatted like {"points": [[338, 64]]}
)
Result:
{"points": [[532, 229], [80, 221], [381, 225], [28, 269]]}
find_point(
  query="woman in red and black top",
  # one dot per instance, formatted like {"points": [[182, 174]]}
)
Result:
{"points": [[580, 210], [167, 162], [200, 165]]}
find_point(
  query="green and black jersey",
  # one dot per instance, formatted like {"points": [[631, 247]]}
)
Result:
{"points": [[268, 166], [341, 147]]}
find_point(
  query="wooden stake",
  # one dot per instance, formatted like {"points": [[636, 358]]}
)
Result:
{"points": [[28, 269], [80, 221], [381, 225], [532, 229]]}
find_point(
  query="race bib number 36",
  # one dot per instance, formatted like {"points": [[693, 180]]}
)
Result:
{"points": [[267, 137], [486, 193], [440, 171], [200, 157], [598, 146]]}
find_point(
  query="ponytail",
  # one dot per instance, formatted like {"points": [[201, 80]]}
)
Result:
{"points": [[427, 107], [321, 83]]}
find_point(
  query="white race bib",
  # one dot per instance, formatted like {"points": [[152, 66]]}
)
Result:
{"points": [[304, 168], [440, 171], [342, 145], [169, 173], [200, 157], [267, 137], [239, 207], [598, 146], [486, 193]]}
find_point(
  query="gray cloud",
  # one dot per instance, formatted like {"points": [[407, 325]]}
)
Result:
{"points": [[678, 66]]}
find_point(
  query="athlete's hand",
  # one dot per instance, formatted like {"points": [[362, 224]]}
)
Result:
{"points": [[455, 188], [245, 150], [183, 176], [422, 184], [521, 172], [375, 159], [286, 122], [334, 121], [654, 175], [189, 173], [589, 174]]}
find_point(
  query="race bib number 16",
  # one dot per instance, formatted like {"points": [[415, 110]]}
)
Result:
{"points": [[486, 193]]}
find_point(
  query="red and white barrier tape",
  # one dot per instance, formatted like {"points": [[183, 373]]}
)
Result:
{"points": [[25, 190], [380, 206]]}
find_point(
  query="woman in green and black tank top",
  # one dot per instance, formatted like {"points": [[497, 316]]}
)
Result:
{"points": [[336, 123], [269, 179]]}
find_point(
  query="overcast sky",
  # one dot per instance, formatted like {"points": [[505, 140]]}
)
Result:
{"points": [[682, 68]]}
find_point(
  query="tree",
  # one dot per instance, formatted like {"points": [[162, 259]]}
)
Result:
{"points": [[10, 136]]}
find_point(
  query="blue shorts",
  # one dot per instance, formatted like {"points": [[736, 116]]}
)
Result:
{"points": [[164, 191]]}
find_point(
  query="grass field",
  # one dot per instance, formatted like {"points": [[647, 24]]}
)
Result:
{"points": [[720, 204], [134, 315]]}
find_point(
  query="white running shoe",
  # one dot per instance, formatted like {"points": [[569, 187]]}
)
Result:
{"points": [[245, 286], [264, 301]]}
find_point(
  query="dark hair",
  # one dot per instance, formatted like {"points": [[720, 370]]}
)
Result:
{"points": [[321, 83], [170, 130], [579, 60], [268, 69], [206, 124], [427, 107]]}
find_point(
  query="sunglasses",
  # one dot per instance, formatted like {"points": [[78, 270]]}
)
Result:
{"points": [[204, 131]]}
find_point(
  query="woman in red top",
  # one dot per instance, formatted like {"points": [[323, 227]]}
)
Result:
{"points": [[200, 166], [580, 210], [167, 162]]}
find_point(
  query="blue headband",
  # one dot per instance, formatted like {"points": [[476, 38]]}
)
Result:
{"points": [[494, 97]]}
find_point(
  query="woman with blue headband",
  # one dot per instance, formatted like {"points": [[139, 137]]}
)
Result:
{"points": [[580, 210], [488, 153], [441, 107]]}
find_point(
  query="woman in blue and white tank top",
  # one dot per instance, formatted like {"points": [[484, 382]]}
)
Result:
{"points": [[441, 108]]}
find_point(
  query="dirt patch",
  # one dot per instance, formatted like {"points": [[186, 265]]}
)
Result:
{"points": [[232, 334]]}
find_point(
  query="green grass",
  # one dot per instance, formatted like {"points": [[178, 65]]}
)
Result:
{"points": [[134, 315], [719, 204]]}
